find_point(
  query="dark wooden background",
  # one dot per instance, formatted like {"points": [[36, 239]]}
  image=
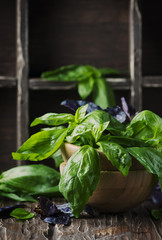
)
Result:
{"points": [[67, 32]]}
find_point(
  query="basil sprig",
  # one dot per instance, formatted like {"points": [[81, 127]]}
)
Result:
{"points": [[141, 138], [90, 80], [25, 183]]}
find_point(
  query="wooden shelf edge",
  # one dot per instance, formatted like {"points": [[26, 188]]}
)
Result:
{"points": [[119, 83], [7, 81], [39, 84], [152, 81]]}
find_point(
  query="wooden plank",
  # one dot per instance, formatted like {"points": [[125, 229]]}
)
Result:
{"points": [[39, 84], [135, 55], [131, 225], [7, 81], [22, 71], [119, 83], [8, 38], [65, 32], [152, 81]]}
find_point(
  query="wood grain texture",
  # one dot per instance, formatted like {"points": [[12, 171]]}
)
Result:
{"points": [[22, 71], [8, 38], [136, 55], [152, 38], [7, 128], [136, 224], [70, 32]]}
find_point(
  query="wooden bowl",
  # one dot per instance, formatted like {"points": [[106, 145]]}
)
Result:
{"points": [[115, 192]]}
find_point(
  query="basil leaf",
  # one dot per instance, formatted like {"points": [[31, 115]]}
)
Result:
{"points": [[21, 213], [5, 211], [80, 178], [97, 130], [157, 213], [146, 125], [103, 94], [109, 71], [18, 196], [68, 73], [53, 119], [80, 113], [149, 158], [100, 117], [41, 145], [57, 158], [128, 141], [118, 156], [23, 182], [85, 87], [82, 129]]}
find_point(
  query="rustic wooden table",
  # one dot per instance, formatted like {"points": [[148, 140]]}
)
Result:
{"points": [[131, 225]]}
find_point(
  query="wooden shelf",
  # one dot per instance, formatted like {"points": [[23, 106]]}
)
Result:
{"points": [[119, 83], [152, 81], [40, 84], [50, 49], [7, 81]]}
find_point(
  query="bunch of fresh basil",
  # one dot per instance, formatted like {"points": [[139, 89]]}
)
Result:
{"points": [[141, 138], [90, 80], [24, 183]]}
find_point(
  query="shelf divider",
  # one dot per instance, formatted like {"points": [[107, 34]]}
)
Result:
{"points": [[22, 71], [135, 34]]}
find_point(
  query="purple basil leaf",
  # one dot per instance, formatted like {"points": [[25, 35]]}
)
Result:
{"points": [[157, 196], [65, 208], [59, 219], [117, 113], [5, 211], [75, 104], [47, 207], [52, 213], [128, 109], [91, 211]]}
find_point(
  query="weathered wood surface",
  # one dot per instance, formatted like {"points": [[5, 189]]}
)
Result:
{"points": [[135, 33], [22, 71], [136, 224]]}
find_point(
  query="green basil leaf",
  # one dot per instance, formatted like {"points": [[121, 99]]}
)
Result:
{"points": [[18, 196], [21, 213], [118, 156], [159, 147], [82, 129], [41, 145], [157, 213], [85, 87], [146, 125], [53, 119], [68, 73], [23, 182], [103, 94], [57, 158], [128, 141], [109, 71], [80, 113], [149, 158], [95, 72], [98, 129], [80, 178], [100, 117]]}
